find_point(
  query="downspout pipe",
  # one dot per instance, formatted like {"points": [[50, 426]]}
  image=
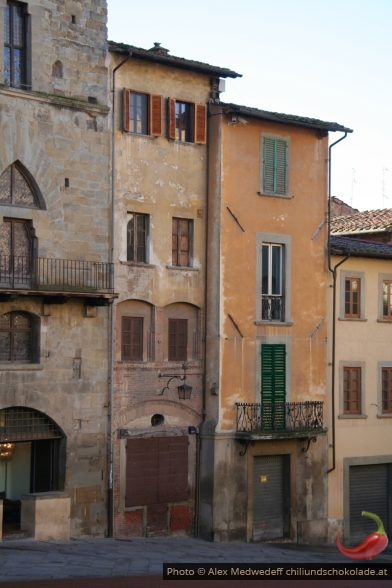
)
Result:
{"points": [[333, 271], [111, 308]]}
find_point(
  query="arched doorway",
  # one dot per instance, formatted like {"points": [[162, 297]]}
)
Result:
{"points": [[32, 459]]}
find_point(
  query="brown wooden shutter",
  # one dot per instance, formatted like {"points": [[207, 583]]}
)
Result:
{"points": [[183, 241], [178, 339], [156, 115], [200, 123], [132, 338], [126, 94], [172, 118]]}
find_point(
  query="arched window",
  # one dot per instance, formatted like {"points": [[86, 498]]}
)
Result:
{"points": [[19, 338], [18, 188]]}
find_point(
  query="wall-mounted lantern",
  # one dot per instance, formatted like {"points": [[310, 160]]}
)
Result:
{"points": [[184, 390]]}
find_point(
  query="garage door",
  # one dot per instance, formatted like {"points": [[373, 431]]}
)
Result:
{"points": [[370, 490], [271, 497]]}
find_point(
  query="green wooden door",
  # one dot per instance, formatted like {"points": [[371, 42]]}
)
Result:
{"points": [[273, 386]]}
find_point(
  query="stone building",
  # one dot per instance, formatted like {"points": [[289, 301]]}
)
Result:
{"points": [[160, 200], [56, 281]]}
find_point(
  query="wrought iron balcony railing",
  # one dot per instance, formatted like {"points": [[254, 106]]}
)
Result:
{"points": [[47, 274], [272, 308], [280, 417]]}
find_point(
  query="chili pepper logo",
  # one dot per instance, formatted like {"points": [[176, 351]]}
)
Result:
{"points": [[372, 546]]}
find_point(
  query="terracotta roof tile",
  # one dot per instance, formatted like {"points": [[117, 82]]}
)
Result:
{"points": [[370, 221]]}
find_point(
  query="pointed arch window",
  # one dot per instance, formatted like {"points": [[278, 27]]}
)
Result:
{"points": [[18, 188]]}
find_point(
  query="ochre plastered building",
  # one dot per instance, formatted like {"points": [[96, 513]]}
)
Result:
{"points": [[264, 442]]}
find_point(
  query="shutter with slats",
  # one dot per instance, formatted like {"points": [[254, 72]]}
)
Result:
{"points": [[200, 123], [183, 230], [274, 165], [370, 490], [273, 385], [178, 339], [132, 338], [126, 121], [156, 115], [172, 118]]}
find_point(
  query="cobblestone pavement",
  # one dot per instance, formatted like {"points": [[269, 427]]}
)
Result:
{"points": [[27, 559]]}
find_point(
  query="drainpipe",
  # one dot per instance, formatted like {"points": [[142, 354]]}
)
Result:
{"points": [[333, 271], [111, 309]]}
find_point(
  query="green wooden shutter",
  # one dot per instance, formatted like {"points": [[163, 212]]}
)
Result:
{"points": [[274, 165], [273, 386]]}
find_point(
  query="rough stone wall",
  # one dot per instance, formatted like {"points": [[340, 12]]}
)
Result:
{"points": [[59, 131]]}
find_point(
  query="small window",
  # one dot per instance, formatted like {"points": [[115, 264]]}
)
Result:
{"points": [[387, 299], [352, 298], [137, 237], [19, 342], [16, 70], [142, 113], [132, 338], [352, 390], [187, 121], [386, 390], [274, 168], [182, 235], [272, 287], [178, 339]]}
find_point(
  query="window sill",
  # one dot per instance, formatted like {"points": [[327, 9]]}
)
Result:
{"points": [[352, 416], [19, 367], [137, 264], [182, 268], [274, 323], [386, 415], [384, 320], [270, 195], [353, 320]]}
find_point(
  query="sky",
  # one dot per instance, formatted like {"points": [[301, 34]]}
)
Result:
{"points": [[325, 59]]}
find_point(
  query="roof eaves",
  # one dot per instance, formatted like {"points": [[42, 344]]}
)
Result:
{"points": [[172, 61], [282, 118]]}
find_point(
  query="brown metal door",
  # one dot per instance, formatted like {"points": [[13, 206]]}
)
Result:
{"points": [[271, 497], [156, 475]]}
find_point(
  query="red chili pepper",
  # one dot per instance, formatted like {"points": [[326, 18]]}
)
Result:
{"points": [[372, 546]]}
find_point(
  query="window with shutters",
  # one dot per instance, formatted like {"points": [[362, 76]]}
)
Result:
{"points": [[132, 338], [142, 113], [182, 237], [386, 390], [137, 237], [187, 121], [352, 298], [273, 385], [352, 295], [177, 339], [19, 338], [387, 300], [16, 68], [352, 390], [274, 174]]}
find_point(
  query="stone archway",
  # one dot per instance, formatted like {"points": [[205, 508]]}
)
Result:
{"points": [[32, 458]]}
